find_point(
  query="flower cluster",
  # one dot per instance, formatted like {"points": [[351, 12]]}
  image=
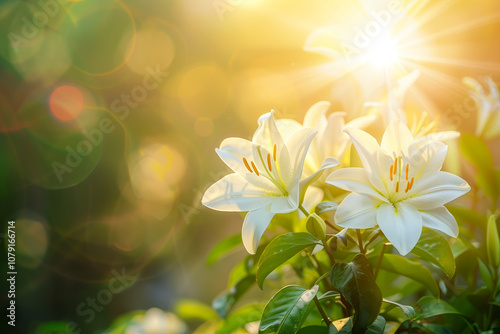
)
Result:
{"points": [[400, 186]]}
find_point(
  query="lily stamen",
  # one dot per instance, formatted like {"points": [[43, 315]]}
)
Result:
{"points": [[269, 161], [274, 153], [247, 165], [255, 169]]}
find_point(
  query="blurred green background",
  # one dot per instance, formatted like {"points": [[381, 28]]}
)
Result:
{"points": [[110, 112]]}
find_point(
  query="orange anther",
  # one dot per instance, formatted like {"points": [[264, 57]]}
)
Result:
{"points": [[407, 187], [247, 165], [274, 152], [397, 186], [269, 162], [391, 171], [407, 166], [395, 165], [255, 169], [411, 182]]}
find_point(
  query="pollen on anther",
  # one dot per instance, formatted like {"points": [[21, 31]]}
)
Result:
{"points": [[269, 162], [255, 169], [391, 171], [274, 152], [407, 166], [411, 182], [395, 165], [247, 165], [397, 186]]}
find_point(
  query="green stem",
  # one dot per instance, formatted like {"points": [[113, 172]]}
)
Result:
{"points": [[379, 262], [304, 211], [360, 241], [322, 312], [328, 251]]}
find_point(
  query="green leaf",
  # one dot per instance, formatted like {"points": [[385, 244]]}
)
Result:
{"points": [[326, 207], [223, 303], [485, 274], [466, 216], [402, 266], [281, 249], [476, 150], [434, 248], [223, 248], [493, 242], [356, 283], [429, 328], [377, 327], [189, 309], [459, 247], [329, 295], [478, 153], [408, 310], [313, 330], [316, 226], [287, 310], [241, 317], [429, 306]]}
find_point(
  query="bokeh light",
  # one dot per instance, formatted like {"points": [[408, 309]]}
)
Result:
{"points": [[155, 172], [205, 92], [66, 102], [111, 110], [32, 242]]}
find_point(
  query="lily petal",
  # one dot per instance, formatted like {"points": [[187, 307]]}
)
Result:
{"points": [[428, 158], [440, 219], [305, 183], [233, 150], [354, 179], [402, 225], [362, 122], [316, 115], [285, 204], [287, 127], [267, 134], [436, 189], [254, 226], [333, 139], [397, 138], [357, 211], [234, 192], [437, 136], [297, 146], [368, 151], [324, 42]]}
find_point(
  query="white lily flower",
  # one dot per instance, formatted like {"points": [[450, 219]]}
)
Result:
{"points": [[266, 179], [420, 123], [331, 140], [401, 187], [488, 107]]}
